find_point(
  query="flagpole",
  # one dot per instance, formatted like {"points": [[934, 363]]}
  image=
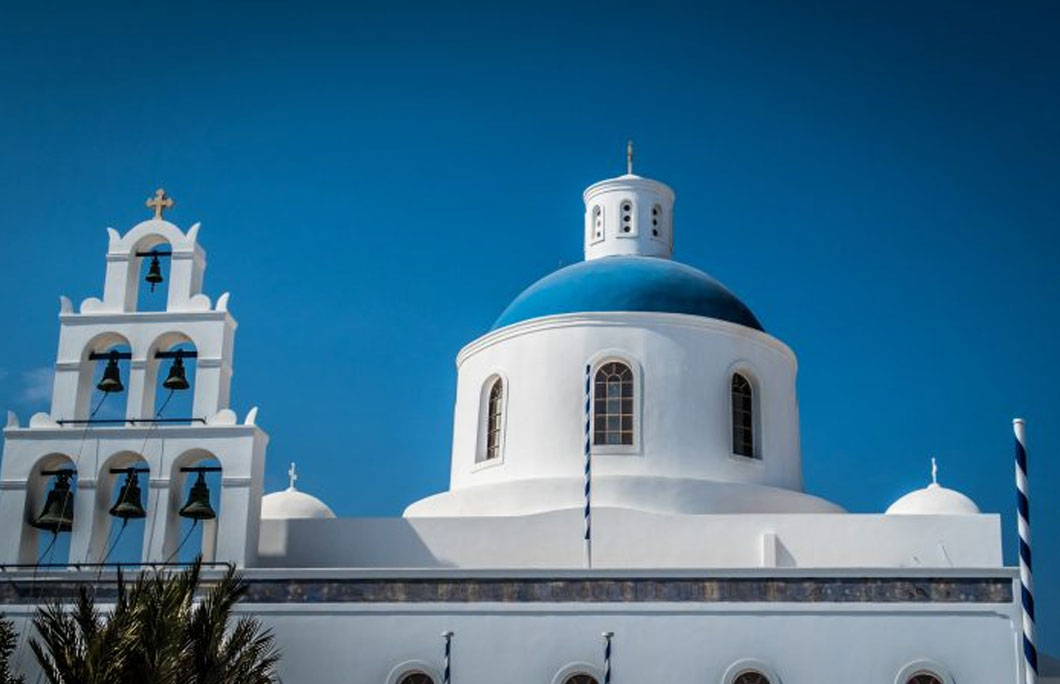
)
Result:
{"points": [[607, 656], [1023, 510], [588, 536], [448, 636]]}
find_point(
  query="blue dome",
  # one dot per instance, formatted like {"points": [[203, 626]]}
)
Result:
{"points": [[628, 283]]}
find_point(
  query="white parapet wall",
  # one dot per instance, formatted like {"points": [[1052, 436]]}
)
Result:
{"points": [[634, 539]]}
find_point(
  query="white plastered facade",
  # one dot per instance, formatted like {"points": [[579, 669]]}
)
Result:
{"points": [[705, 564]]}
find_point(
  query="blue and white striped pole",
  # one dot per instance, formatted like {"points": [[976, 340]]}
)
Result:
{"points": [[607, 656], [448, 636], [588, 467], [1023, 509]]}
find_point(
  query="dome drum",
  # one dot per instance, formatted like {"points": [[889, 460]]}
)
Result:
{"points": [[681, 369]]}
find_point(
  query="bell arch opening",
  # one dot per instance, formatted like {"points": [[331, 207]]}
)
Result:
{"points": [[170, 379], [194, 507], [49, 511], [103, 379], [148, 283], [119, 522]]}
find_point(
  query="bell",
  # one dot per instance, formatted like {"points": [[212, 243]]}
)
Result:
{"points": [[198, 506], [154, 273], [111, 380], [129, 503], [176, 379], [58, 513]]}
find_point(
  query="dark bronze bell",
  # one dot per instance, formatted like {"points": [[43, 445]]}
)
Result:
{"points": [[129, 504], [176, 379], [198, 506], [154, 273], [111, 380], [58, 513]]}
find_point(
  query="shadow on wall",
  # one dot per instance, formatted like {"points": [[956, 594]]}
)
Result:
{"points": [[379, 542]]}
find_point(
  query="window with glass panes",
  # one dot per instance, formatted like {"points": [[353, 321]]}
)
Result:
{"points": [[743, 425], [494, 407], [613, 405]]}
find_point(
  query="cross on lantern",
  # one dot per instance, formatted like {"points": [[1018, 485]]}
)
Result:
{"points": [[160, 202]]}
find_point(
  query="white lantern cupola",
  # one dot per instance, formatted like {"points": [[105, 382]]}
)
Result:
{"points": [[628, 215]]}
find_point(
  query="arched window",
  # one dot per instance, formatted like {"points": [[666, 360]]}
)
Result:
{"points": [[924, 678], [580, 679], [743, 420], [613, 404], [415, 678], [751, 677], [494, 420]]}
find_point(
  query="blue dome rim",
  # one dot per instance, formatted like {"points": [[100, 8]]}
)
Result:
{"points": [[631, 284]]}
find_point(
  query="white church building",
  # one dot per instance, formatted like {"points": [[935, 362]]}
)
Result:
{"points": [[625, 476]]}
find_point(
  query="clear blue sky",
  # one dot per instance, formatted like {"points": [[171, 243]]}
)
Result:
{"points": [[376, 183]]}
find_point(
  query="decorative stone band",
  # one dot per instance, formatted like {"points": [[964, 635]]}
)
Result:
{"points": [[997, 590]]}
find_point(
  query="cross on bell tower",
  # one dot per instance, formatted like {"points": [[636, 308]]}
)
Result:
{"points": [[160, 202]]}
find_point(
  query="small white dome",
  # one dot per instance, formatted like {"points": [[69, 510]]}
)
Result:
{"points": [[933, 500], [291, 503]]}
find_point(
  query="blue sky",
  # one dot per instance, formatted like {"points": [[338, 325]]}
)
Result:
{"points": [[376, 183]]}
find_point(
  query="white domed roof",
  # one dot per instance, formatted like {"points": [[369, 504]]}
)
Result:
{"points": [[291, 503], [933, 500]]}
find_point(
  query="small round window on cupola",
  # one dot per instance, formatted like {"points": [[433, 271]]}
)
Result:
{"points": [[656, 221], [597, 226]]}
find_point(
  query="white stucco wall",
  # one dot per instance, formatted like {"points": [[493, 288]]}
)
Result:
{"points": [[624, 538], [683, 366], [658, 643], [805, 641]]}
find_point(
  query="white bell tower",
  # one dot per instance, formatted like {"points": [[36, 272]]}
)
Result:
{"points": [[629, 215], [138, 345]]}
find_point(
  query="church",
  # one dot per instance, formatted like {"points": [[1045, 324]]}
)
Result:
{"points": [[625, 499]]}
